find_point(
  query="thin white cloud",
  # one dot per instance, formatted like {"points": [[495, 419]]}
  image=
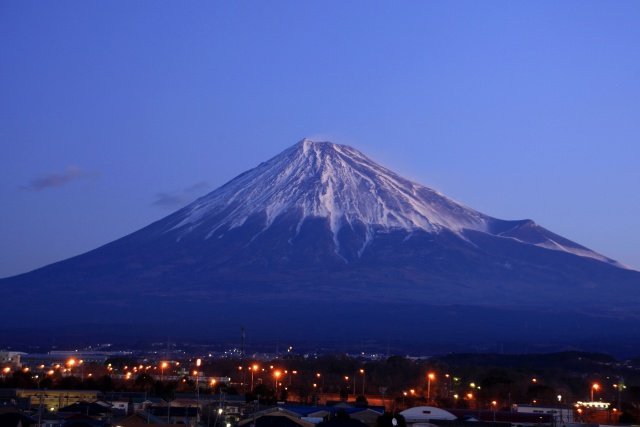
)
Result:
{"points": [[54, 179], [179, 199]]}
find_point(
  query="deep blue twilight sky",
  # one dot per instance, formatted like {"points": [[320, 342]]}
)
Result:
{"points": [[115, 114]]}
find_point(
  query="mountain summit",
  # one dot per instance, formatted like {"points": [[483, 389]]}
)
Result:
{"points": [[336, 182], [332, 182], [356, 196], [322, 239]]}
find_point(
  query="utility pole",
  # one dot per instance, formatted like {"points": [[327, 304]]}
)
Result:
{"points": [[198, 363], [244, 386]]}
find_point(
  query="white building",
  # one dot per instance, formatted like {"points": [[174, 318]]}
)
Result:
{"points": [[10, 358], [562, 415], [421, 416]]}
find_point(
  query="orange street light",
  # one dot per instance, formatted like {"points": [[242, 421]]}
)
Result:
{"points": [[252, 369], [277, 375], [594, 387], [430, 377]]}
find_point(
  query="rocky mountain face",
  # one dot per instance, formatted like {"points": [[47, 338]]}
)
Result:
{"points": [[321, 240]]}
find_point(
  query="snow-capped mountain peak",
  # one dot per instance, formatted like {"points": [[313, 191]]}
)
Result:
{"points": [[336, 182]]}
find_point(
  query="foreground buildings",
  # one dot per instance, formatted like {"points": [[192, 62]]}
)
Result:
{"points": [[98, 389]]}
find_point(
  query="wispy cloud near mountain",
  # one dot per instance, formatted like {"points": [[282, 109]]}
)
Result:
{"points": [[54, 179], [175, 200]]}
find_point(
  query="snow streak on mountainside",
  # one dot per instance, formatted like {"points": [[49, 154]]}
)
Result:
{"points": [[340, 184], [336, 182]]}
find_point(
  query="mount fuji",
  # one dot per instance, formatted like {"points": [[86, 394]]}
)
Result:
{"points": [[323, 243]]}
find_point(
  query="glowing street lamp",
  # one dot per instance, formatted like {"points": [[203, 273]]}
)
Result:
{"points": [[321, 385], [197, 374], [198, 363], [253, 369], [362, 373], [430, 377], [164, 365], [277, 375], [594, 387]]}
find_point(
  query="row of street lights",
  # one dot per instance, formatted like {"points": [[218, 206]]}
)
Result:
{"points": [[354, 380], [277, 374]]}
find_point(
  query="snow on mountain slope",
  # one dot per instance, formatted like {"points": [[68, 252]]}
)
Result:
{"points": [[321, 179], [338, 183], [529, 232]]}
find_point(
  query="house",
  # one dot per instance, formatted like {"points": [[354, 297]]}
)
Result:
{"points": [[10, 360], [142, 404], [421, 415], [342, 422], [94, 410], [141, 419], [82, 420], [275, 419], [562, 414], [119, 408], [316, 414], [54, 399], [175, 414], [517, 419], [16, 419], [233, 406], [51, 419]]}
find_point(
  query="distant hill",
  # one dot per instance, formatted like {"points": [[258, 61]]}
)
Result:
{"points": [[320, 242]]}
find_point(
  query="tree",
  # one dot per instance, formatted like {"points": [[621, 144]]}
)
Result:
{"points": [[266, 394], [144, 382], [362, 402], [628, 418], [344, 393], [21, 379], [541, 393], [47, 382], [106, 383], [69, 383]]}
